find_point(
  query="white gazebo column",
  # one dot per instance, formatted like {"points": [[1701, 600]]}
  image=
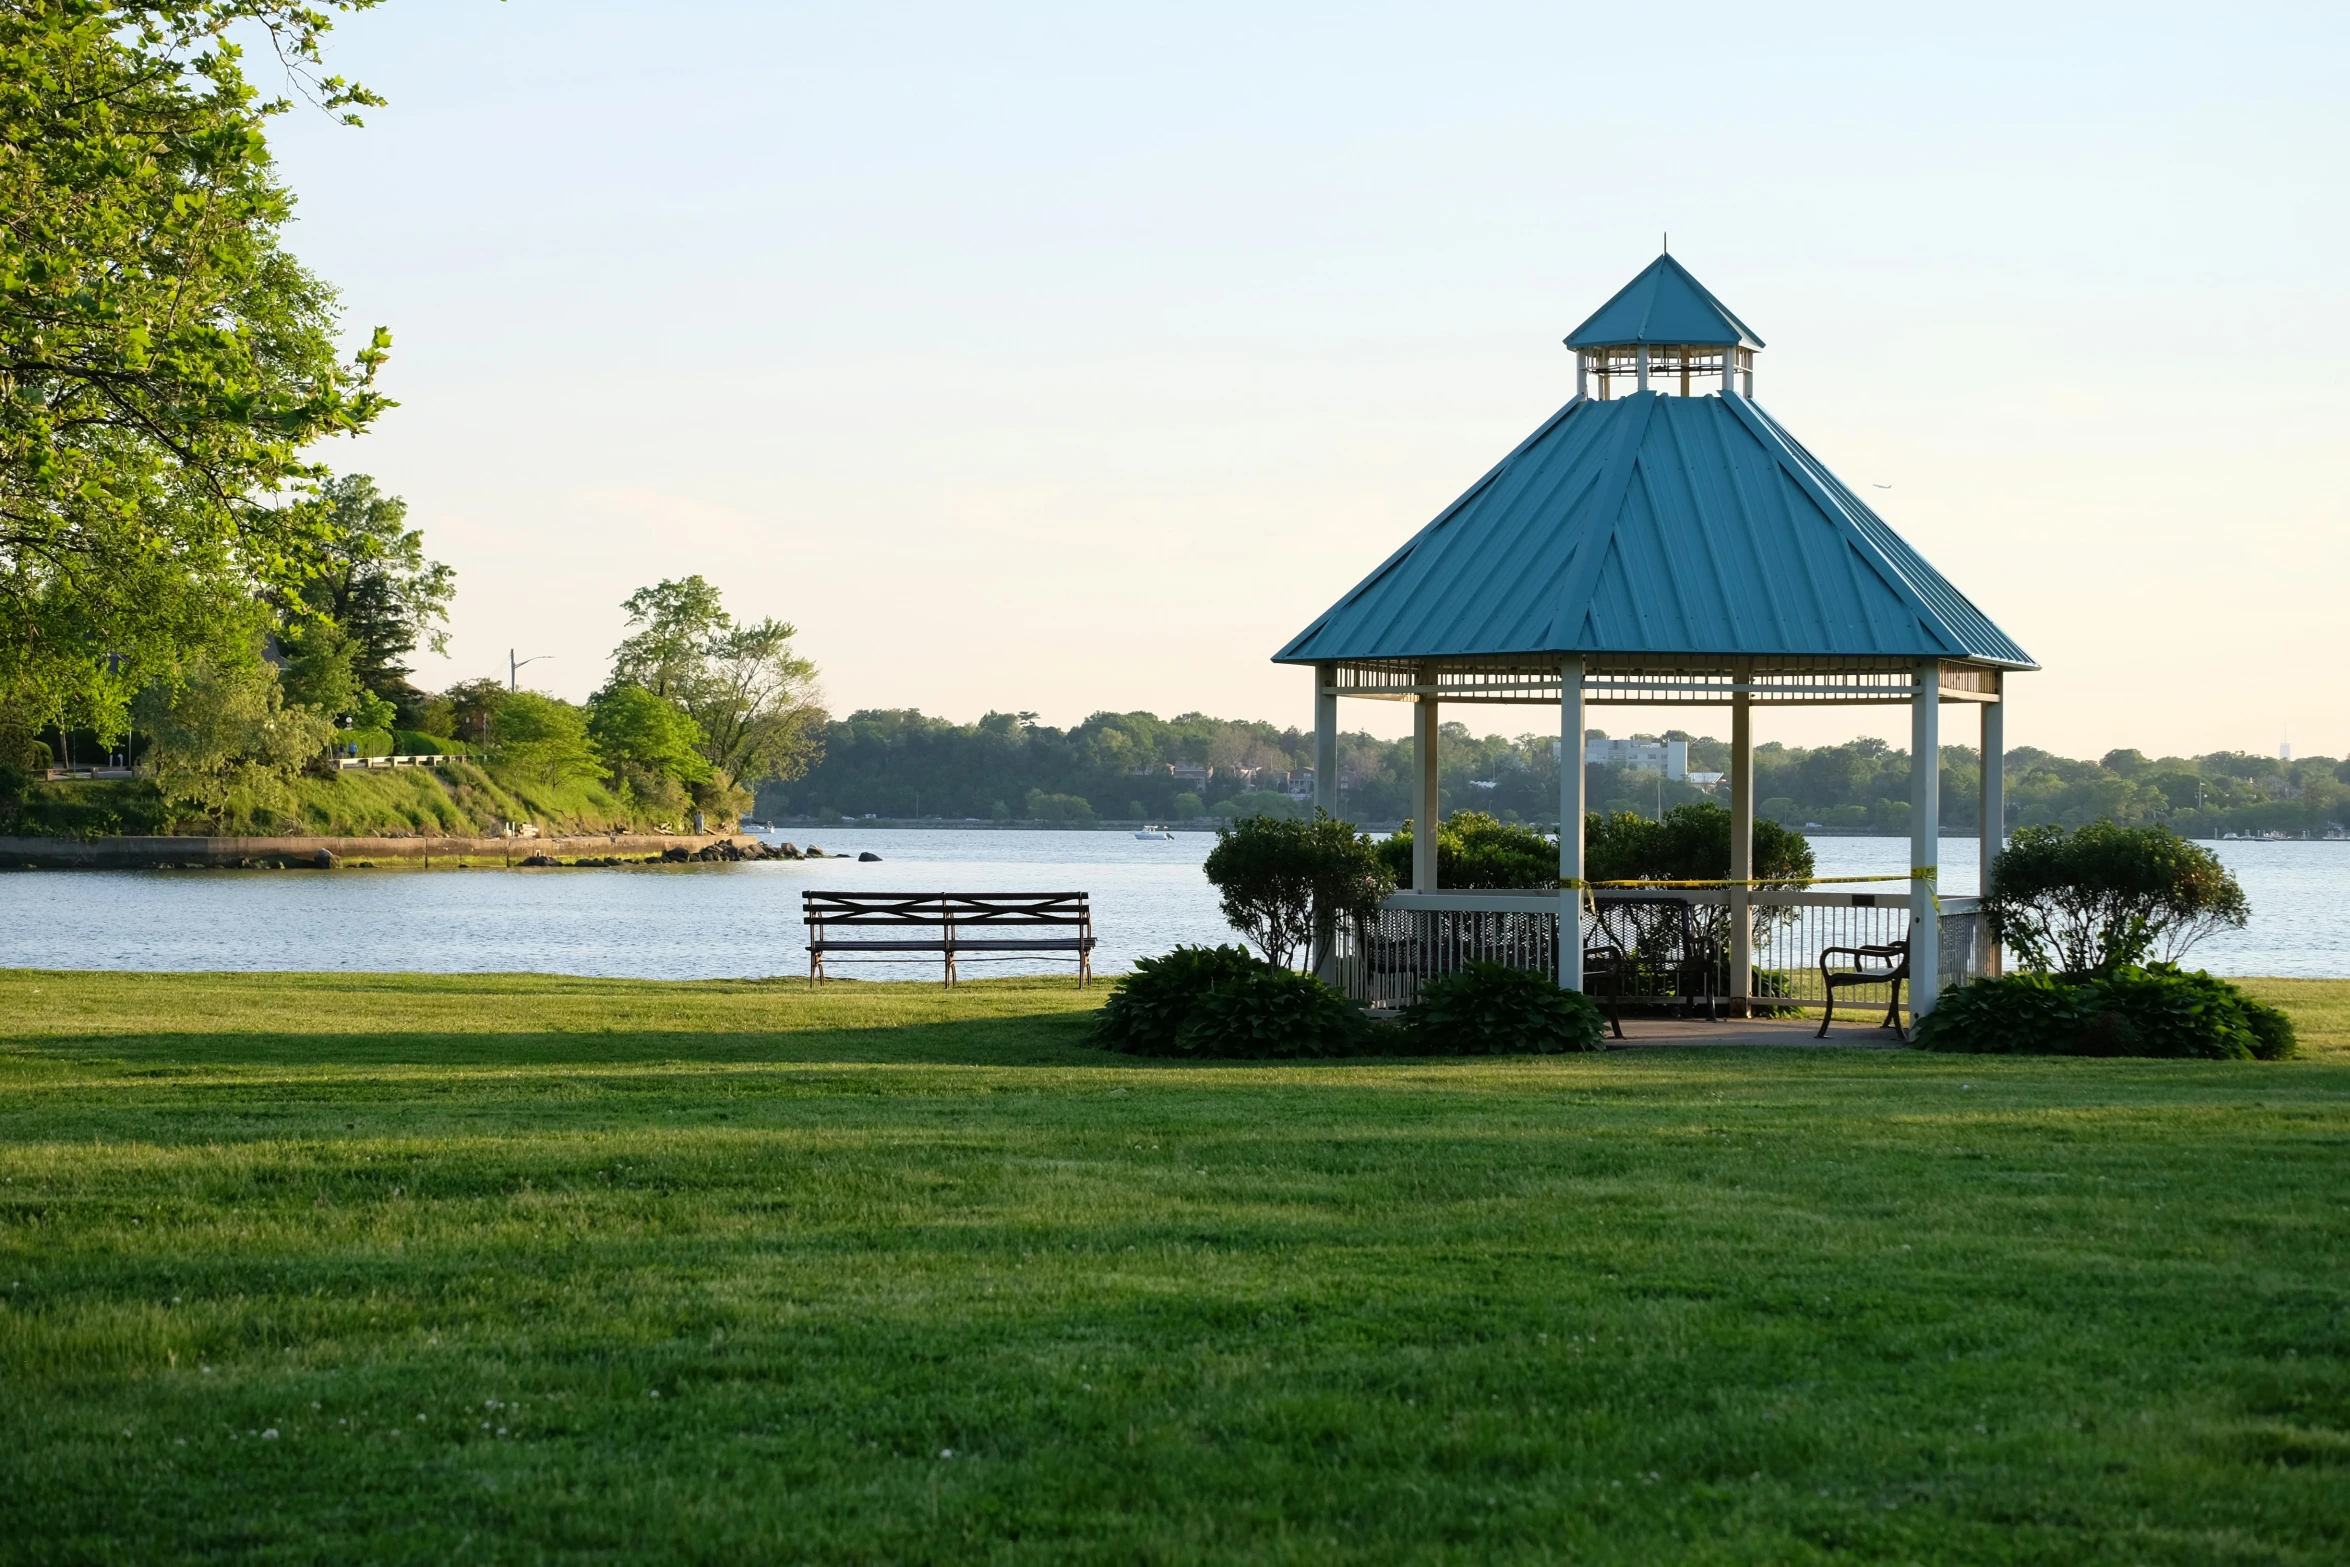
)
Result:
{"points": [[1326, 737], [1426, 801], [1925, 836], [1571, 824], [1994, 797], [1741, 847]]}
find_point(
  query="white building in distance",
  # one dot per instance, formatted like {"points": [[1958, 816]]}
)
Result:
{"points": [[1670, 757]]}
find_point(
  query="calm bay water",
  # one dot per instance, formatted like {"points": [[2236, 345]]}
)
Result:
{"points": [[700, 922]]}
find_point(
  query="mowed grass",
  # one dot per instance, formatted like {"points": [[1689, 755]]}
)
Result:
{"points": [[386, 1268]]}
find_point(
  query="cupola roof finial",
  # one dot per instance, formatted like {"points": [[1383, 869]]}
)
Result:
{"points": [[1664, 304]]}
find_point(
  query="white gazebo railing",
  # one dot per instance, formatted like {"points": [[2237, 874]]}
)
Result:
{"points": [[1418, 935]]}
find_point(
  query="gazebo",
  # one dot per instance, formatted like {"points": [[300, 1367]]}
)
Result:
{"points": [[1661, 540]]}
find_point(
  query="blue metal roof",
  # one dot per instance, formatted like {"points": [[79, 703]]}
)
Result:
{"points": [[1656, 525], [1664, 304]]}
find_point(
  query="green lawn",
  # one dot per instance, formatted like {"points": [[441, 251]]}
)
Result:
{"points": [[526, 1269]]}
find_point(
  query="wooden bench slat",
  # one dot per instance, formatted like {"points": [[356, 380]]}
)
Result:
{"points": [[951, 914], [1042, 944]]}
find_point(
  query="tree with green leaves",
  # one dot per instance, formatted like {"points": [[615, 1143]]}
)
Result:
{"points": [[374, 585], [542, 738], [224, 735], [752, 698], [651, 749], [2087, 904], [1289, 885], [164, 362]]}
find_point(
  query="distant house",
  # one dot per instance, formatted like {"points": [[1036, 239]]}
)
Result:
{"points": [[1669, 757], [1186, 775]]}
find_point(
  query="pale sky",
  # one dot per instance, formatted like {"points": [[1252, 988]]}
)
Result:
{"points": [[1065, 358]]}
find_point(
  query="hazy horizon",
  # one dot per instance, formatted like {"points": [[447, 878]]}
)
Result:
{"points": [[1071, 359]]}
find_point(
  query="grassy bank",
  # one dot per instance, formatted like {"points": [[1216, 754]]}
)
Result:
{"points": [[538, 1269], [459, 799]]}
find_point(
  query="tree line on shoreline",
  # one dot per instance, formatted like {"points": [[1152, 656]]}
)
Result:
{"points": [[902, 764], [186, 591]]}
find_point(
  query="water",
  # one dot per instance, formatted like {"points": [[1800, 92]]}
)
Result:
{"points": [[702, 922]]}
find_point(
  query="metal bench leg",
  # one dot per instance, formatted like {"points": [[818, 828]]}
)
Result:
{"points": [[1893, 1014], [1827, 1013]]}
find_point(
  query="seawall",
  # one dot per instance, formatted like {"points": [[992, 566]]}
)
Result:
{"points": [[150, 853]]}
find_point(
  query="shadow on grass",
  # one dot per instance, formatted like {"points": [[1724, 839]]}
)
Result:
{"points": [[1043, 1039]]}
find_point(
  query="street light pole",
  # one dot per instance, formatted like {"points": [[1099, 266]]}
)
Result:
{"points": [[514, 667]]}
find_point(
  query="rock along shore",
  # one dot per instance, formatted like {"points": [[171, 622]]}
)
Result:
{"points": [[157, 852]]}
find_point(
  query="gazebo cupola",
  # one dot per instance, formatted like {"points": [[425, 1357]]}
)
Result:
{"points": [[1661, 540], [1663, 332]]}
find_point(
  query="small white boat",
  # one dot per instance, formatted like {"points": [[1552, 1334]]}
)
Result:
{"points": [[1154, 832]]}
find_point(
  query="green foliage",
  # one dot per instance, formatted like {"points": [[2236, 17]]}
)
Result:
{"points": [[1691, 843], [649, 747], [1261, 802], [317, 672], [372, 582], [1288, 884], [751, 697], [2106, 897], [1148, 1007], [880, 759], [1272, 1014], [223, 737], [85, 810], [540, 738], [1491, 1009], [1060, 809], [1474, 850], [163, 360], [2028, 1014], [2152, 1011]]}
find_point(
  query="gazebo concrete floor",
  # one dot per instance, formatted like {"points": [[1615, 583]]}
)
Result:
{"points": [[1859, 1033]]}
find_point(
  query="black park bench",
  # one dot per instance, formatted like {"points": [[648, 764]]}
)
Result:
{"points": [[881, 926]]}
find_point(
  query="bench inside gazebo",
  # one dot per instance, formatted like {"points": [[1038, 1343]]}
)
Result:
{"points": [[1661, 541]]}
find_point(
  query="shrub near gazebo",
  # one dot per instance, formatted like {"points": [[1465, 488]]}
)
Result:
{"points": [[2099, 918]]}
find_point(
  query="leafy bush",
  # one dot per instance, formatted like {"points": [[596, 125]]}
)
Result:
{"points": [[223, 735], [1476, 851], [2152, 1011], [1148, 1008], [2159, 1011], [1273, 1013], [1059, 808], [1288, 884], [1491, 1009], [2015, 1014], [1691, 843], [2089, 903], [634, 728], [2273, 1038], [542, 739]]}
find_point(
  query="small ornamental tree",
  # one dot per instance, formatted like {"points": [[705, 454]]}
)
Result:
{"points": [[1287, 884], [2085, 904], [1476, 851], [1691, 843]]}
